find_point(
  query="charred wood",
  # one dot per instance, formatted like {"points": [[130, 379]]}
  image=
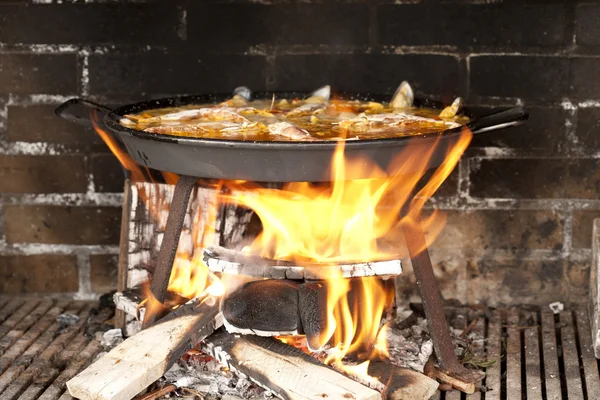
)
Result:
{"points": [[265, 308], [219, 259]]}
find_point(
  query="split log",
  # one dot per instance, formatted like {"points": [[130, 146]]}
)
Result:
{"points": [[232, 262], [142, 359], [393, 382], [264, 308], [205, 223], [284, 370], [402, 383], [147, 206], [128, 301]]}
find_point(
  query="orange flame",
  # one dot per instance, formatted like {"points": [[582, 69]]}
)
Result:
{"points": [[308, 223], [352, 221], [190, 278], [346, 221]]}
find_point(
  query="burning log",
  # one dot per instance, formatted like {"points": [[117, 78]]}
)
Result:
{"points": [[264, 308], [393, 382], [149, 205], [284, 370], [142, 359], [219, 259], [285, 307], [146, 209]]}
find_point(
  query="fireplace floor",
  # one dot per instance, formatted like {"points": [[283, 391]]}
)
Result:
{"points": [[542, 355], [45, 342]]}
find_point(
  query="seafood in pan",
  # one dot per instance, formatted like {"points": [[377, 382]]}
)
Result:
{"points": [[316, 117]]}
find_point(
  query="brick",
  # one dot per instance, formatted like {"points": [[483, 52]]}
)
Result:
{"points": [[108, 173], [63, 225], [38, 123], [587, 19], [38, 73], [448, 188], [545, 131], [104, 269], [585, 78], [464, 25], [577, 280], [235, 27], [38, 274], [430, 74], [119, 75], [501, 229], [583, 221], [448, 270], [588, 129], [90, 23], [536, 178], [516, 281], [527, 77], [42, 174]]}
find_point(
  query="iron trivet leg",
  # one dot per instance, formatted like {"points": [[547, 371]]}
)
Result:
{"points": [[168, 247], [434, 311]]}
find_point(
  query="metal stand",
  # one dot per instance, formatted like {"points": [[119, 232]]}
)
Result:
{"points": [[168, 247], [434, 309]]}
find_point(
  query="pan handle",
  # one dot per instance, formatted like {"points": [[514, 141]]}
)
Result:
{"points": [[79, 110], [499, 120]]}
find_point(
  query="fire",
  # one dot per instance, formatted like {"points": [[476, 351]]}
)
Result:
{"points": [[308, 223], [315, 224], [190, 278], [351, 221]]}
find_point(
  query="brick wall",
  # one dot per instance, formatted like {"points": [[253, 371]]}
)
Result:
{"points": [[520, 205]]}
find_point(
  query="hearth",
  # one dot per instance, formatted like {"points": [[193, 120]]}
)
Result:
{"points": [[340, 300]]}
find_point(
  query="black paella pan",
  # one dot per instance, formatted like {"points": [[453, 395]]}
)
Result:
{"points": [[265, 161]]}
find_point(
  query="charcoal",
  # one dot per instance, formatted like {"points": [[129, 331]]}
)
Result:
{"points": [[266, 305], [312, 301]]}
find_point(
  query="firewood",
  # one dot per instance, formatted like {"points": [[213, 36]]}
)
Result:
{"points": [[143, 358], [284, 370], [148, 205], [393, 382], [128, 301], [402, 383], [219, 259], [465, 387], [269, 307]]}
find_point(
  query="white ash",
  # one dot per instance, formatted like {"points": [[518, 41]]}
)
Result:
{"points": [[67, 319], [410, 347], [205, 375], [112, 338]]}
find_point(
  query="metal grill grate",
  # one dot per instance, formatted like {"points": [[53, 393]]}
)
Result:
{"points": [[542, 356], [38, 353]]}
